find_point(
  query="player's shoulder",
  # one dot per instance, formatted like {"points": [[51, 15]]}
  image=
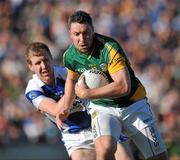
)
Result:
{"points": [[59, 69], [34, 84], [60, 72], [109, 43]]}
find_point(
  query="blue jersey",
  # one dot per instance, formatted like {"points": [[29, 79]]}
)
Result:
{"points": [[36, 90]]}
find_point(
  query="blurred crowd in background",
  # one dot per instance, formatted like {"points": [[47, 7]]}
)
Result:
{"points": [[148, 30]]}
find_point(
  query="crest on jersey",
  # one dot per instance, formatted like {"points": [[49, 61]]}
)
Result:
{"points": [[32, 95]]}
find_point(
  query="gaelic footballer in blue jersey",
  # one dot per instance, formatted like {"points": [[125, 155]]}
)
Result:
{"points": [[45, 91]]}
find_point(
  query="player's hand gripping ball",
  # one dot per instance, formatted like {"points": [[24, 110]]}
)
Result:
{"points": [[94, 78]]}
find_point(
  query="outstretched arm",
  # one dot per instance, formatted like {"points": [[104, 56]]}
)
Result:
{"points": [[69, 97], [50, 106]]}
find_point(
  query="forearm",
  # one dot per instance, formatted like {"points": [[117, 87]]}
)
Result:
{"points": [[69, 93], [112, 90], [69, 97], [120, 87], [50, 106]]}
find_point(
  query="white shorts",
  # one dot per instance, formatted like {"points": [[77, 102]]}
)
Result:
{"points": [[79, 140], [135, 121]]}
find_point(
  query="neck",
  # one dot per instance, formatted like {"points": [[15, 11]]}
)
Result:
{"points": [[91, 53], [91, 49]]}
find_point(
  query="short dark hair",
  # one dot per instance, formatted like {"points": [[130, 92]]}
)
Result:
{"points": [[81, 17], [36, 49]]}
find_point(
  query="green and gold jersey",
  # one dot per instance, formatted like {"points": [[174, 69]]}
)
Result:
{"points": [[108, 57]]}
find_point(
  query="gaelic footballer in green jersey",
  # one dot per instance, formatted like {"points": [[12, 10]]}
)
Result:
{"points": [[108, 57], [120, 106]]}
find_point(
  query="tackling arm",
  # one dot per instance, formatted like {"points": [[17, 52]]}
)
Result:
{"points": [[50, 106], [69, 97]]}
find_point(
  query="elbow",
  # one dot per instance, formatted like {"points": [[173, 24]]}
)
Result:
{"points": [[127, 90], [123, 90]]}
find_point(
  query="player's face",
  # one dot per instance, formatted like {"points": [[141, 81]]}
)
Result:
{"points": [[42, 66], [82, 36]]}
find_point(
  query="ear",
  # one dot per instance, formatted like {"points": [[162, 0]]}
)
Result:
{"points": [[30, 67]]}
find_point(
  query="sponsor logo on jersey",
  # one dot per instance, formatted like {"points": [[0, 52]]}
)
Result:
{"points": [[32, 95], [92, 66]]}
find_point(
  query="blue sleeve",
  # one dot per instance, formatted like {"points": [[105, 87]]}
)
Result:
{"points": [[31, 95], [61, 71], [64, 73]]}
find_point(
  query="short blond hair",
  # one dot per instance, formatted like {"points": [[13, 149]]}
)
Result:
{"points": [[36, 49]]}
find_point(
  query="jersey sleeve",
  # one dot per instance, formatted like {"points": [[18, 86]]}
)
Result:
{"points": [[116, 58], [72, 73], [34, 94], [68, 61], [68, 58], [61, 72], [64, 73]]}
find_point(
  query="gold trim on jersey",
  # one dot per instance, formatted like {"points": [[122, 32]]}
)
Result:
{"points": [[72, 73], [139, 94], [117, 62]]}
